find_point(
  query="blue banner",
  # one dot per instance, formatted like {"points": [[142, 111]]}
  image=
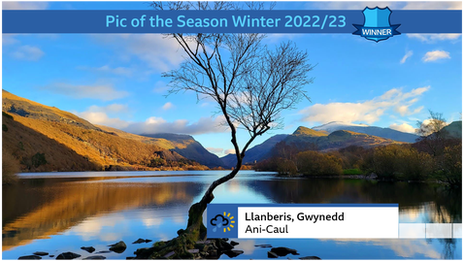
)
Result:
{"points": [[275, 21]]}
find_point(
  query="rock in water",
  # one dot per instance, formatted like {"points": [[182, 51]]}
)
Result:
{"points": [[272, 255], [68, 255], [94, 257], [234, 243], [310, 258], [88, 249], [264, 245], [40, 253], [31, 257], [141, 240], [223, 245], [233, 253], [283, 251], [118, 247]]}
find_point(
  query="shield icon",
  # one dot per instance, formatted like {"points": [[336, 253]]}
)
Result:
{"points": [[376, 21]]}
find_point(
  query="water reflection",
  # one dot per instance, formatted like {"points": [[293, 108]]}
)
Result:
{"points": [[40, 208], [417, 202], [64, 214]]}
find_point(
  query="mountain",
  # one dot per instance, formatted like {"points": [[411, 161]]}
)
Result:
{"points": [[43, 138], [309, 132], [256, 153], [454, 129], [320, 139], [386, 133], [188, 147], [307, 138]]}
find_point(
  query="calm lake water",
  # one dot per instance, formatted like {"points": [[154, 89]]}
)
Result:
{"points": [[59, 212]]}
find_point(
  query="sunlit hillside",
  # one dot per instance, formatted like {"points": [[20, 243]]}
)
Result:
{"points": [[44, 138]]}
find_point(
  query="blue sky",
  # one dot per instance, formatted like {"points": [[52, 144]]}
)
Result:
{"points": [[115, 79]]}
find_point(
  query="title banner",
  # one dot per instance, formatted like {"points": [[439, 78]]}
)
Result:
{"points": [[242, 21], [302, 220]]}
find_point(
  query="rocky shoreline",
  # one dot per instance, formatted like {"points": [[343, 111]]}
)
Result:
{"points": [[205, 249]]}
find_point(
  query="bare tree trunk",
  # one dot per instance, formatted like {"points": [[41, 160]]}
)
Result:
{"points": [[195, 226]]}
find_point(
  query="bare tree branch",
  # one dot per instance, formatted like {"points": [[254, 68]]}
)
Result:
{"points": [[251, 83]]}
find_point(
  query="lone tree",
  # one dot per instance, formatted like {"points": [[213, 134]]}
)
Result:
{"points": [[250, 83]]}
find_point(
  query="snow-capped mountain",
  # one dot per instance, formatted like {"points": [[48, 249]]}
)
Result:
{"points": [[386, 133]]}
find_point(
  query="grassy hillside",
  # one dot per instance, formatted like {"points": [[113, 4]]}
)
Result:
{"points": [[44, 138], [38, 152], [303, 131], [26, 108]]}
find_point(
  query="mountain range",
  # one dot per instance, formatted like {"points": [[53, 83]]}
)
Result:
{"points": [[44, 138], [386, 133], [306, 138]]}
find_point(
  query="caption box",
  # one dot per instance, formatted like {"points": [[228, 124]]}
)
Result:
{"points": [[303, 220]]}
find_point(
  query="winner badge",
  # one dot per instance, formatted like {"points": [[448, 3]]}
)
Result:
{"points": [[376, 25]]}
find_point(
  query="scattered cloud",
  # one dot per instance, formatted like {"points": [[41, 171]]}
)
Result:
{"points": [[432, 38], [403, 127], [101, 118], [229, 151], [9, 39], [104, 92], [109, 116], [370, 111], [158, 52], [7, 5], [159, 125], [122, 71], [218, 151], [435, 56], [28, 53], [438, 5], [167, 106], [406, 56]]}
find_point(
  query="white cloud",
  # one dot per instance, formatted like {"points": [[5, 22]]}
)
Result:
{"points": [[101, 118], [104, 92], [99, 115], [123, 71], [9, 39], [432, 38], [406, 56], [217, 151], [368, 111], [167, 106], [435, 56], [28, 53], [7, 5], [437, 5], [160, 53], [403, 127], [159, 125], [230, 151]]}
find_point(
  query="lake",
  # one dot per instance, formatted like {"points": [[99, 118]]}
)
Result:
{"points": [[60, 212]]}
